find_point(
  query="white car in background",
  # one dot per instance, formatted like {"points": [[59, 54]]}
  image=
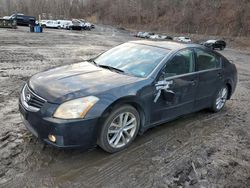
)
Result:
{"points": [[139, 34], [155, 37], [183, 39], [64, 23], [51, 24], [147, 35], [43, 22], [67, 24], [87, 25]]}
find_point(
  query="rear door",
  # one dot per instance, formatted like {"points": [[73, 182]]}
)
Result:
{"points": [[180, 82], [210, 73]]}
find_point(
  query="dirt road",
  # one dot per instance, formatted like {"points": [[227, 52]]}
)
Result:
{"points": [[201, 149]]}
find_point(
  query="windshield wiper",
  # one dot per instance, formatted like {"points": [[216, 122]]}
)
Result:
{"points": [[111, 68], [108, 67], [93, 62]]}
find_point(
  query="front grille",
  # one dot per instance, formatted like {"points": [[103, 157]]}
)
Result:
{"points": [[31, 100]]}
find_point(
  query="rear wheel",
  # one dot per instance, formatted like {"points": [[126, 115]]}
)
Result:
{"points": [[220, 99], [119, 129]]}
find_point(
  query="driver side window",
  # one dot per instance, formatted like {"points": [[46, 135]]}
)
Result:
{"points": [[181, 63]]}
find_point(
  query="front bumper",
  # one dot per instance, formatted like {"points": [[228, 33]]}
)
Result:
{"points": [[69, 133]]}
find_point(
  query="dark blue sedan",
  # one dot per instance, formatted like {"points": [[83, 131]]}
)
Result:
{"points": [[110, 99]]}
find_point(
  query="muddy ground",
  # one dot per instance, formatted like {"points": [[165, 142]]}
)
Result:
{"points": [[198, 150]]}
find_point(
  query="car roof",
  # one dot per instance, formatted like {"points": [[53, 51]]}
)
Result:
{"points": [[170, 45]]}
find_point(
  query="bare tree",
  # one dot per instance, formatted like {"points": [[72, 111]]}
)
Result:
{"points": [[208, 17]]}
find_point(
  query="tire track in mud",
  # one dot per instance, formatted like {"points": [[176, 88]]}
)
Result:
{"points": [[154, 145]]}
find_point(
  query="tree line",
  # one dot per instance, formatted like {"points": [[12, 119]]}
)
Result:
{"points": [[215, 17]]}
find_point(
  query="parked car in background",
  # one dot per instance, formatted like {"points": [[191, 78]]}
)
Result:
{"points": [[157, 37], [64, 23], [67, 25], [87, 25], [146, 35], [166, 37], [160, 37], [51, 24], [7, 23], [139, 34], [182, 39], [151, 35], [21, 19], [43, 22], [135, 86], [215, 44], [77, 25], [8, 17]]}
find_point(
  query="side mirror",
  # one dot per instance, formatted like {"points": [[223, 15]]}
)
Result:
{"points": [[168, 95]]}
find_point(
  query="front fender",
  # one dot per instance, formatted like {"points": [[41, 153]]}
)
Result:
{"points": [[139, 98]]}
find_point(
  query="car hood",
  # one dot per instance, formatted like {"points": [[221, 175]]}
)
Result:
{"points": [[78, 80]]}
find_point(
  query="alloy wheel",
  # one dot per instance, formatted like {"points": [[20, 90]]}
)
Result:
{"points": [[221, 98], [122, 129]]}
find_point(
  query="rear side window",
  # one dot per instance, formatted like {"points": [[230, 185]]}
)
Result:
{"points": [[206, 61]]}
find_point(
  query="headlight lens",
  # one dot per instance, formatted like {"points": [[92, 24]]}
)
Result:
{"points": [[76, 108]]}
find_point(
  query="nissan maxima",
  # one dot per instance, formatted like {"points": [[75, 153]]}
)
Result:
{"points": [[110, 99]]}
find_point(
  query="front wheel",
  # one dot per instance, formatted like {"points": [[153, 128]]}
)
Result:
{"points": [[220, 99], [119, 129]]}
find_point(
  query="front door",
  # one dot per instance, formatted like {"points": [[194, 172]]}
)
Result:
{"points": [[175, 88]]}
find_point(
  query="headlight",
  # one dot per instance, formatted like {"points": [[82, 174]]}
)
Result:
{"points": [[76, 108]]}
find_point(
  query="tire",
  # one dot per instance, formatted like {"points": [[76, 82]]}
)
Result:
{"points": [[114, 136], [219, 100]]}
